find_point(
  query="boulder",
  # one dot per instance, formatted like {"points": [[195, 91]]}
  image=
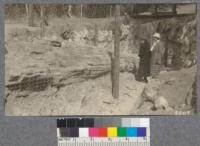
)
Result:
{"points": [[161, 103], [56, 44], [150, 91]]}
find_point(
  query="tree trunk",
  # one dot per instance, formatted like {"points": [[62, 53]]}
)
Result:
{"points": [[81, 13], [42, 20], [59, 10], [96, 35], [69, 11], [174, 9], [30, 15], [156, 9], [26, 7], [111, 11]]}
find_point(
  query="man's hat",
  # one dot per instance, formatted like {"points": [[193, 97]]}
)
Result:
{"points": [[156, 35]]}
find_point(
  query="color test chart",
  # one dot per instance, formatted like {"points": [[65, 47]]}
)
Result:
{"points": [[103, 131]]}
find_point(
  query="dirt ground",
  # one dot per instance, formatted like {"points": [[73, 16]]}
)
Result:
{"points": [[81, 83]]}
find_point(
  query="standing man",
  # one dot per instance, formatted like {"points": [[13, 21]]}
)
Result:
{"points": [[157, 51]]}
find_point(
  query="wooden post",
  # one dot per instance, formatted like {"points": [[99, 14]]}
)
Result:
{"points": [[42, 20], [116, 64]]}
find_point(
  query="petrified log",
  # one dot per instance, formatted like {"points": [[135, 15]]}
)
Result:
{"points": [[91, 71], [34, 82], [39, 80]]}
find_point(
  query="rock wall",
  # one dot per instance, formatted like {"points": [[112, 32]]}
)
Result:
{"points": [[178, 35]]}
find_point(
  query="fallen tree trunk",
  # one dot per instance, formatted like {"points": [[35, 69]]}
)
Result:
{"points": [[60, 77], [92, 71]]}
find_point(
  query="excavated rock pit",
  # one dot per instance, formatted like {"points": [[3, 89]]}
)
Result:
{"points": [[74, 79]]}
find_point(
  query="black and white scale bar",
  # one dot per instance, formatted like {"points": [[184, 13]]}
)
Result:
{"points": [[104, 141], [63, 143]]}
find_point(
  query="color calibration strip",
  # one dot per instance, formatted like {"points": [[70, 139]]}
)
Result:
{"points": [[103, 131]]}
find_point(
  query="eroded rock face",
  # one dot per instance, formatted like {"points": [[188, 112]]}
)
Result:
{"points": [[178, 36], [172, 91], [191, 97]]}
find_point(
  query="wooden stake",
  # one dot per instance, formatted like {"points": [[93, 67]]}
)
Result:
{"points": [[116, 64]]}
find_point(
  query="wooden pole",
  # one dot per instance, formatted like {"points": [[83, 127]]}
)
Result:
{"points": [[42, 20], [116, 67]]}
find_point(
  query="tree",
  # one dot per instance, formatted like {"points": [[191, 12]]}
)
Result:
{"points": [[30, 14], [174, 9], [59, 10], [42, 20], [69, 12]]}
